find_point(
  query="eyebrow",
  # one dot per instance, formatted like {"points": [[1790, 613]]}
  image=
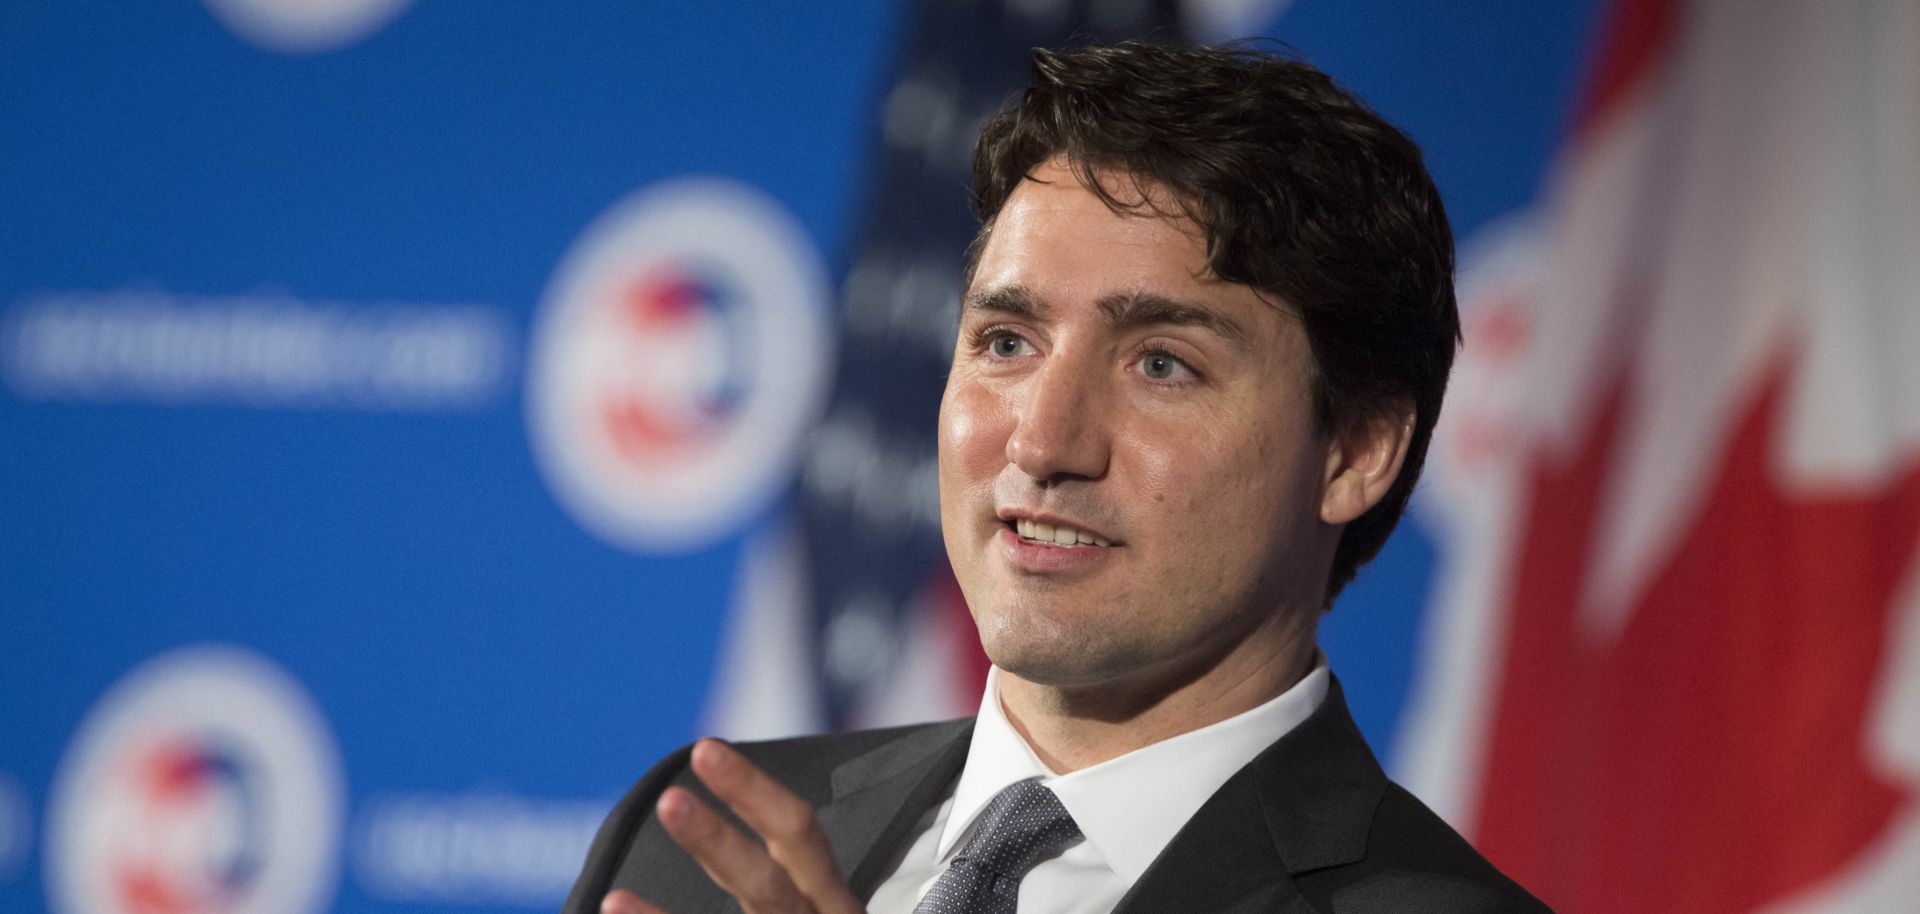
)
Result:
{"points": [[1013, 301], [1124, 311], [1129, 310]]}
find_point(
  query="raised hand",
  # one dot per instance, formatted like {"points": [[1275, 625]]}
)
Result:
{"points": [[793, 874]]}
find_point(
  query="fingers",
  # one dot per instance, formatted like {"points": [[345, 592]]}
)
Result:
{"points": [[794, 873], [621, 901], [732, 860], [784, 821]]}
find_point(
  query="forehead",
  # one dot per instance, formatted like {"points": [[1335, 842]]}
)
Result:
{"points": [[1060, 243], [1053, 225]]}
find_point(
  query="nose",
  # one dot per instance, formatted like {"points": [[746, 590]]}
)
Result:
{"points": [[1062, 430]]}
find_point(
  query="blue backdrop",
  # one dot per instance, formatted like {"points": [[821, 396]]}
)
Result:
{"points": [[193, 218]]}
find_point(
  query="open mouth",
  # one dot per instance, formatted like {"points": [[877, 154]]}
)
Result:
{"points": [[1054, 535]]}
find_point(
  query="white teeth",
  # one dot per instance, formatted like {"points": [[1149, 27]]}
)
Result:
{"points": [[1059, 536]]}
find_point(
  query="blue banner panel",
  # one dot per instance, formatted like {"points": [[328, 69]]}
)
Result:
{"points": [[417, 417]]}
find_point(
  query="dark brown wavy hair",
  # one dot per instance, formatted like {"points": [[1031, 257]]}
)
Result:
{"points": [[1303, 192]]}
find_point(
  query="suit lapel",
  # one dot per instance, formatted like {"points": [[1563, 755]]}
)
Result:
{"points": [[1319, 787], [1222, 860], [879, 797], [1305, 803]]}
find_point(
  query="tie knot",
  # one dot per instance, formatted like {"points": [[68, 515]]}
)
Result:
{"points": [[1024, 825]]}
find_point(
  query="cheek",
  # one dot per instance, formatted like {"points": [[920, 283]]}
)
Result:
{"points": [[1192, 465], [1161, 469], [1212, 476], [973, 430]]}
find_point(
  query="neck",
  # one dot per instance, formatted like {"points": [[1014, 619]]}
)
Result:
{"points": [[1078, 726]]}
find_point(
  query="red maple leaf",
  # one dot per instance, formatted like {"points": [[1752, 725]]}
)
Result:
{"points": [[1712, 758]]}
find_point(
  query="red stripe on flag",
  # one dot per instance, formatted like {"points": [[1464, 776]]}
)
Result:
{"points": [[1634, 42]]}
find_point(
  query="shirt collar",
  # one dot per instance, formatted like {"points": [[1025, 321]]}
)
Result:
{"points": [[1130, 807]]}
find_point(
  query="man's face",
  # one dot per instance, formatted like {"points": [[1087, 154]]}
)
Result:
{"points": [[1107, 385]]}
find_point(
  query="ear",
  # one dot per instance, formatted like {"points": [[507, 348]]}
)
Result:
{"points": [[1363, 460]]}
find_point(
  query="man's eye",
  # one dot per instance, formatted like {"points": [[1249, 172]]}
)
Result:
{"points": [[1008, 346], [1160, 366]]}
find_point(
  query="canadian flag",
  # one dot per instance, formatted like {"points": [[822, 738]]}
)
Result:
{"points": [[1675, 662]]}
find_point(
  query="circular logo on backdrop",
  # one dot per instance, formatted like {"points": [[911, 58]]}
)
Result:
{"points": [[305, 26], [204, 782], [681, 351]]}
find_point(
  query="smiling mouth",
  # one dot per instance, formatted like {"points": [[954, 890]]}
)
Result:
{"points": [[1052, 535]]}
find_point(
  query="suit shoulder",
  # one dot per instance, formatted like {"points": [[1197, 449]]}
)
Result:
{"points": [[1417, 862], [806, 763], [802, 764]]}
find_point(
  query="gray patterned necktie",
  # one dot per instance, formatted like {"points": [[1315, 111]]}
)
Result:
{"points": [[1024, 825]]}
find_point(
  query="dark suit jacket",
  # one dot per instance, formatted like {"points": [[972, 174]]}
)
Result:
{"points": [[1310, 825]]}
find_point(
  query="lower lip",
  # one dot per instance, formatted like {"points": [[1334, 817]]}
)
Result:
{"points": [[1046, 558]]}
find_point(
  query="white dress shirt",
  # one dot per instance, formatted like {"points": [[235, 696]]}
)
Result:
{"points": [[1128, 808]]}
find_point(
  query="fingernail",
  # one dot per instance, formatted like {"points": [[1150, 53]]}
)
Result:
{"points": [[672, 810], [619, 902], [713, 755]]}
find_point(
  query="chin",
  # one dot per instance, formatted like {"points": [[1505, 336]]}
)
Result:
{"points": [[1043, 651]]}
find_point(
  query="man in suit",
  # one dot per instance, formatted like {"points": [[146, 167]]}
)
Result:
{"points": [[1207, 324]]}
